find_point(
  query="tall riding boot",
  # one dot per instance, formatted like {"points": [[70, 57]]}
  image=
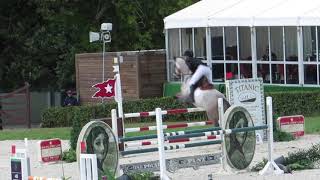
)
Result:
{"points": [[191, 95]]}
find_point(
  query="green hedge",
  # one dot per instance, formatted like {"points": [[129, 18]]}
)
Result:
{"points": [[284, 103], [64, 116], [294, 103]]}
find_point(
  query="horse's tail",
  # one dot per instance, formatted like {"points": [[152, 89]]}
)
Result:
{"points": [[226, 104]]}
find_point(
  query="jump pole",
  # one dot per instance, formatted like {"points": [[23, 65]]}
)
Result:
{"points": [[164, 112], [162, 159], [154, 142], [271, 166], [170, 126], [177, 133], [171, 147]]}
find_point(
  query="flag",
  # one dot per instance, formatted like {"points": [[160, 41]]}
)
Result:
{"points": [[106, 89]]}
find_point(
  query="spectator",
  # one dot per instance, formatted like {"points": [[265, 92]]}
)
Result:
{"points": [[265, 57], [70, 100]]}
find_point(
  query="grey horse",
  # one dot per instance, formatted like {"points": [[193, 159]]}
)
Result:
{"points": [[206, 98]]}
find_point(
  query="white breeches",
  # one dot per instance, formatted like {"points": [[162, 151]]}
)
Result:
{"points": [[202, 70]]}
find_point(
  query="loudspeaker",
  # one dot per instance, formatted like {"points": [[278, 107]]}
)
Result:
{"points": [[94, 36]]}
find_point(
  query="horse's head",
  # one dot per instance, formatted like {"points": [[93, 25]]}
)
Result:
{"points": [[181, 67]]}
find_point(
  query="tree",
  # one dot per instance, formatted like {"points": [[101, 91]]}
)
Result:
{"points": [[39, 38]]}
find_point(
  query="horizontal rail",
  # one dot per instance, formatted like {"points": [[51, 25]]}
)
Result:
{"points": [[152, 136], [197, 134], [218, 132], [164, 112], [170, 126], [172, 147], [154, 142]]}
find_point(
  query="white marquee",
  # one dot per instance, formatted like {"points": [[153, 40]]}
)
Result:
{"points": [[209, 13]]}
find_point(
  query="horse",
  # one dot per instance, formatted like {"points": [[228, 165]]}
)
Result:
{"points": [[205, 95]]}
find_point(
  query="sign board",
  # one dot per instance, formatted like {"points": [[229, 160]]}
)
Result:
{"points": [[16, 169], [20, 164], [249, 94], [96, 137], [50, 150], [173, 164], [292, 124]]}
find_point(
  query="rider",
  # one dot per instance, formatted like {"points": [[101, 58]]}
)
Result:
{"points": [[198, 69]]}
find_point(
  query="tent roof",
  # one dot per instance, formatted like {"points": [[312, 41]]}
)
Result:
{"points": [[208, 13]]}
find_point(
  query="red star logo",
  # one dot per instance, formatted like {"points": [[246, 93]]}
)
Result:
{"points": [[106, 89]]}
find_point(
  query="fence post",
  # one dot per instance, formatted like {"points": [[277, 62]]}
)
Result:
{"points": [[221, 122], [271, 166], [88, 167], [114, 123], [160, 135], [115, 131], [28, 104]]}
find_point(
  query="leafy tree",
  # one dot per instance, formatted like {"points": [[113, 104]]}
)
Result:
{"points": [[39, 38]]}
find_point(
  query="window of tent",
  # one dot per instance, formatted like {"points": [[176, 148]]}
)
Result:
{"points": [[276, 43], [291, 43], [217, 43], [200, 43], [231, 44], [245, 44]]}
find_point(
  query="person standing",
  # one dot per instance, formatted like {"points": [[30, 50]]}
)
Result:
{"points": [[70, 100]]}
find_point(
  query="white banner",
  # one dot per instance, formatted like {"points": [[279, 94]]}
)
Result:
{"points": [[248, 93]]}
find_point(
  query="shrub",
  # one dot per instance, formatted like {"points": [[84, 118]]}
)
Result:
{"points": [[64, 116], [69, 156], [279, 135], [143, 176], [298, 160]]}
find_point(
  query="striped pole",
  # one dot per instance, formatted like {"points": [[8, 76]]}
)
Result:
{"points": [[152, 136], [154, 142], [208, 133], [171, 126], [168, 112], [220, 132], [172, 147]]}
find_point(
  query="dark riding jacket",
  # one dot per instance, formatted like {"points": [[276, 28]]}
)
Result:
{"points": [[193, 63]]}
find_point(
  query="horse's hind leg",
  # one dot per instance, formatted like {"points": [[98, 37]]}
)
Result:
{"points": [[226, 105], [213, 116], [213, 113]]}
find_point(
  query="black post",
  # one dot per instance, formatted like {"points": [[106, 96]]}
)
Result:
{"points": [[28, 110]]}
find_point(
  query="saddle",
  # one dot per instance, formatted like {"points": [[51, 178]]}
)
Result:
{"points": [[204, 84]]}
